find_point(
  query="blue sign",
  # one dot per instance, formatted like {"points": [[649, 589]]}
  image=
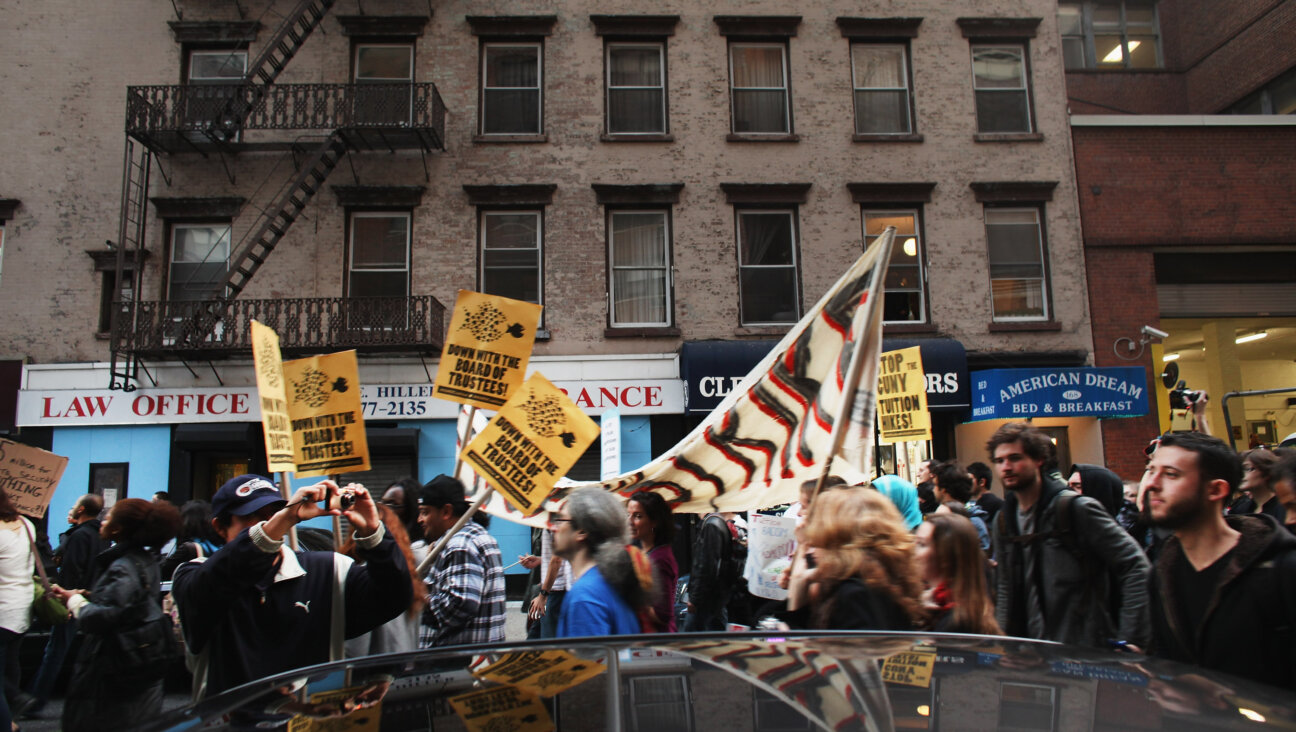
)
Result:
{"points": [[1117, 391]]}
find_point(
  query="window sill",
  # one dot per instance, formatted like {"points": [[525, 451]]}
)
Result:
{"points": [[877, 137], [509, 139], [735, 137], [898, 328], [647, 332], [1026, 326], [103, 336], [1008, 137], [763, 330], [605, 137]]}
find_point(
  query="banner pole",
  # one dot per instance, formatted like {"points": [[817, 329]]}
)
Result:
{"points": [[284, 477], [463, 440]]}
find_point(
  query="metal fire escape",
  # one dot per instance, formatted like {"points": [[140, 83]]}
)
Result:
{"points": [[162, 120]]}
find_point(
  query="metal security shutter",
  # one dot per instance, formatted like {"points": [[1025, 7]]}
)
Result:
{"points": [[1201, 300]]}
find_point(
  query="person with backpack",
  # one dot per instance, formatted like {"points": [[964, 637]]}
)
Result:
{"points": [[712, 576], [1055, 552]]}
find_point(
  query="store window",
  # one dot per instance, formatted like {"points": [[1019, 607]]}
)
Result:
{"points": [[1019, 289], [880, 76], [1110, 34]]}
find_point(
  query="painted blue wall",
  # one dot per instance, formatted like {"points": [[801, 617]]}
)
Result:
{"points": [[146, 448]]}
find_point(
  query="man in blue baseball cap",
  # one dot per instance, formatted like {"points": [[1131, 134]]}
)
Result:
{"points": [[256, 608]]}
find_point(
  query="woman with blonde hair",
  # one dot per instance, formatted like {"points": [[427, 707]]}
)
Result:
{"points": [[860, 559], [950, 559]]}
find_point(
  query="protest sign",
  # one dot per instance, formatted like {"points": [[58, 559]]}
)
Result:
{"points": [[912, 668], [544, 672], [770, 542], [504, 707], [487, 349], [610, 443], [327, 710], [532, 442], [275, 421], [327, 422], [29, 475], [902, 397]]}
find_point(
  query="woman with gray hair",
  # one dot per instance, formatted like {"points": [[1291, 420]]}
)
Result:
{"points": [[612, 579]]}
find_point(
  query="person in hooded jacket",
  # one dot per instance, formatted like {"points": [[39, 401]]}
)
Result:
{"points": [[1223, 592], [1107, 488]]}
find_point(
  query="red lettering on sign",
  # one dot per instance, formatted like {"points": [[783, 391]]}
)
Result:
{"points": [[142, 400], [238, 404], [627, 392], [654, 397], [606, 395], [583, 399]]}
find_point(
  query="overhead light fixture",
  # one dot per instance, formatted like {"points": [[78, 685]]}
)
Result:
{"points": [[1117, 55], [1252, 337], [1170, 357], [911, 247]]}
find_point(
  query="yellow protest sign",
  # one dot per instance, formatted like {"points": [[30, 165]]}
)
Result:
{"points": [[353, 709], [327, 423], [902, 397], [274, 399], [912, 668], [487, 349], [502, 708], [544, 672], [532, 442], [29, 476]]}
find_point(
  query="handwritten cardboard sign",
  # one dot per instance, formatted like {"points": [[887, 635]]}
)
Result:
{"points": [[275, 420], [532, 442], [29, 476], [328, 431], [502, 708], [902, 397], [487, 349], [543, 672]]}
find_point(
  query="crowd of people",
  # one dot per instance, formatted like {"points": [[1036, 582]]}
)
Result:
{"points": [[1196, 562]]}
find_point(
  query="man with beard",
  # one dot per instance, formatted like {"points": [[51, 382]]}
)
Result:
{"points": [[1224, 589], [1058, 553]]}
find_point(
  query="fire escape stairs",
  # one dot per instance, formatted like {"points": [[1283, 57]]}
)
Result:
{"points": [[124, 364]]}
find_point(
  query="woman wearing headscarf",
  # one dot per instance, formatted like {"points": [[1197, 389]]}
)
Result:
{"points": [[905, 497]]}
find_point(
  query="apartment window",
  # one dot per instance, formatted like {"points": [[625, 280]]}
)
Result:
{"points": [[511, 84], [905, 281], [999, 78], [759, 88], [1027, 707], [211, 79], [217, 66], [767, 267], [1110, 34], [199, 260], [379, 258], [1018, 285], [383, 75], [880, 75], [639, 250], [511, 254], [636, 88]]}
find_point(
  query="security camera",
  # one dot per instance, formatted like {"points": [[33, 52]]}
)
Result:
{"points": [[1153, 332]]}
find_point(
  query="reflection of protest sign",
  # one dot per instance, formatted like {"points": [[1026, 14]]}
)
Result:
{"points": [[327, 422], [543, 672], [532, 442], [770, 541], [274, 400], [368, 719], [902, 397], [29, 475], [912, 668], [487, 349], [502, 708]]}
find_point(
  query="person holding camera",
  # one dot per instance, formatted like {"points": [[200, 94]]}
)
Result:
{"points": [[256, 608]]}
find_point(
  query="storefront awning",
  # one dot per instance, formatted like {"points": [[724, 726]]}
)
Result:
{"points": [[1115, 391]]}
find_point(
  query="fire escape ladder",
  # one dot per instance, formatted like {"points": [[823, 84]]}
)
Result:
{"points": [[288, 38], [124, 365]]}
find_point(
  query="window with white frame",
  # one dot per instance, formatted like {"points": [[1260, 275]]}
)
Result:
{"points": [[511, 254], [383, 75], [636, 88], [211, 81], [199, 260], [759, 88], [904, 301], [217, 66], [880, 75], [768, 285], [511, 83], [1018, 286], [999, 78], [379, 257], [639, 250], [1110, 34]]}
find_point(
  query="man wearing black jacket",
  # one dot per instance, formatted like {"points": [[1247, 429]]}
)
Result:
{"points": [[712, 576], [256, 608], [1224, 587], [78, 547]]}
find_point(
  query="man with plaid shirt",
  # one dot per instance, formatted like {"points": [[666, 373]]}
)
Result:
{"points": [[467, 579]]}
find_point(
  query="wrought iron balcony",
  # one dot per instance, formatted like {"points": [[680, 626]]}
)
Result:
{"points": [[201, 116], [208, 329]]}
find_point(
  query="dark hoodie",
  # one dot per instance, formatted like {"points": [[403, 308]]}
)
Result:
{"points": [[1102, 485], [1248, 626]]}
